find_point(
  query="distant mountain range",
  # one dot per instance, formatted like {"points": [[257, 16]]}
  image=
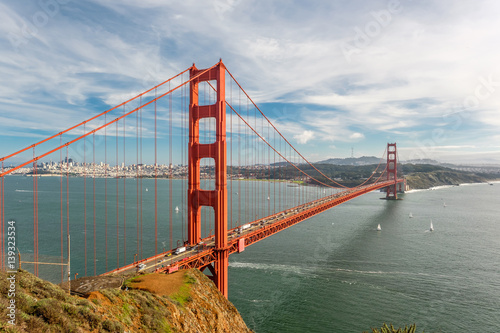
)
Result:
{"points": [[364, 160], [422, 161], [370, 160]]}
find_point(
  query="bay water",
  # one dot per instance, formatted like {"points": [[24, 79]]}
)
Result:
{"points": [[331, 273], [336, 273]]}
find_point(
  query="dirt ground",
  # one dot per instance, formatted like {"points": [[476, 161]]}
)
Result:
{"points": [[161, 284], [97, 295]]}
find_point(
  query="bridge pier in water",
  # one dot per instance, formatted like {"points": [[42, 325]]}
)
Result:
{"points": [[217, 198]]}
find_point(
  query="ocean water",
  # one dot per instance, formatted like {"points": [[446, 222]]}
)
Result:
{"points": [[332, 273], [336, 273]]}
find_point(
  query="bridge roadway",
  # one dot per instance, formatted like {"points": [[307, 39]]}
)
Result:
{"points": [[204, 254]]}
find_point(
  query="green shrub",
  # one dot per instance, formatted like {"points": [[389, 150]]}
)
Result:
{"points": [[391, 329], [49, 310], [36, 325], [88, 316], [112, 326]]}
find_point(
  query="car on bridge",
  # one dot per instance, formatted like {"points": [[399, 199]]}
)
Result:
{"points": [[180, 250]]}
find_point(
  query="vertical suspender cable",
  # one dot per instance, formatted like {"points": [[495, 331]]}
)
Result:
{"points": [[239, 160], [142, 166], [247, 176], [35, 222], [124, 195], [67, 194], [137, 176], [106, 191], [117, 208], [182, 159], [270, 178], [274, 173], [231, 178], [61, 206], [256, 163], [156, 183], [93, 185], [170, 166], [85, 198]]}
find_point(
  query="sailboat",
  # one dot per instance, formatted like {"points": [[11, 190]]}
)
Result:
{"points": [[379, 227], [268, 198], [444, 204], [411, 215], [147, 189], [432, 227], [176, 209]]}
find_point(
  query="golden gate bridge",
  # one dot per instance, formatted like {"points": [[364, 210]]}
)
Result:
{"points": [[195, 141]]}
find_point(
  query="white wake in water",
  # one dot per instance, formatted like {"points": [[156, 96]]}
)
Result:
{"points": [[274, 267]]}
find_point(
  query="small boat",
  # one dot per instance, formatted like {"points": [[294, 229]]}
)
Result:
{"points": [[268, 198], [147, 189], [379, 227], [176, 209], [411, 215], [444, 204], [432, 227]]}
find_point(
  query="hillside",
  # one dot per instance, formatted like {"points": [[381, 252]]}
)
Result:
{"points": [[186, 301], [425, 176], [419, 176], [424, 180]]}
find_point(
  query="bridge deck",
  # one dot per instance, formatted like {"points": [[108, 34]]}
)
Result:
{"points": [[204, 254]]}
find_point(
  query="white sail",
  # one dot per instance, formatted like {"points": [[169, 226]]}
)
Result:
{"points": [[432, 227], [411, 215], [379, 227]]}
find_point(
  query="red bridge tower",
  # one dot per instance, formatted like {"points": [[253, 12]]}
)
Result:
{"points": [[392, 171], [217, 199]]}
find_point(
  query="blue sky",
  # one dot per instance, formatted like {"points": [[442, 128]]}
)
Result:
{"points": [[332, 75]]}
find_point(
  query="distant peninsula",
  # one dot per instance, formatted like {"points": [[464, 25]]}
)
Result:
{"points": [[419, 174], [417, 178]]}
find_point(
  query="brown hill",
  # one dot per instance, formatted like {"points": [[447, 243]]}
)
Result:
{"points": [[183, 302]]}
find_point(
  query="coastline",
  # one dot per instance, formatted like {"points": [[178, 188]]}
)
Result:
{"points": [[440, 187]]}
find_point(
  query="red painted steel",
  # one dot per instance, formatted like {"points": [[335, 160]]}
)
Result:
{"points": [[241, 245], [173, 269], [217, 199]]}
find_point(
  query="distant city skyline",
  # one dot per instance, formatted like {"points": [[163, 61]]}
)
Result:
{"points": [[331, 75]]}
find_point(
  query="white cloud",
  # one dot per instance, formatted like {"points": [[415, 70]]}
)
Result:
{"points": [[427, 61], [304, 137], [356, 136]]}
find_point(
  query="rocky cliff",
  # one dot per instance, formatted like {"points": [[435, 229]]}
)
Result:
{"points": [[186, 301]]}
